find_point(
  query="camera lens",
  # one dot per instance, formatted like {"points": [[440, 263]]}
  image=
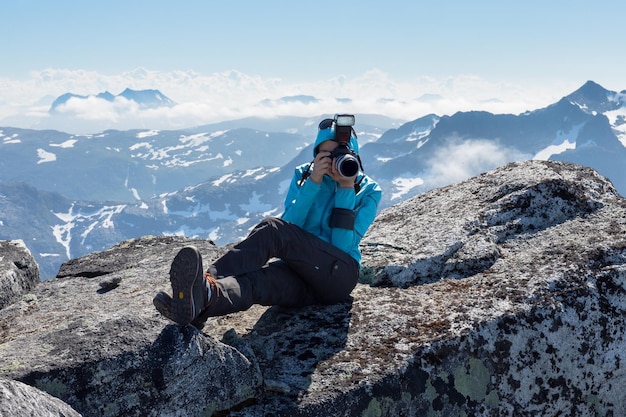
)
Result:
{"points": [[347, 165]]}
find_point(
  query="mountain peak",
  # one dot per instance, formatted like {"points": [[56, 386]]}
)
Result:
{"points": [[106, 96], [593, 96], [592, 89], [147, 99], [62, 99]]}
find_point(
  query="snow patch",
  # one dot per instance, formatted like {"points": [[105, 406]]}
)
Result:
{"points": [[222, 179], [140, 145], [255, 205], [404, 186], [546, 153], [45, 156], [9, 139], [135, 194], [67, 144], [147, 134], [617, 118], [195, 140], [63, 232]]}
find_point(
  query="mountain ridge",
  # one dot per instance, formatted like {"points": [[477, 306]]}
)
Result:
{"points": [[147, 99], [217, 181]]}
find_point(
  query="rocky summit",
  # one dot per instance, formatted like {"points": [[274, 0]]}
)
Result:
{"points": [[502, 295]]}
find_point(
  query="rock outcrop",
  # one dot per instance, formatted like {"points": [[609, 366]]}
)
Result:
{"points": [[501, 295], [20, 400], [19, 271]]}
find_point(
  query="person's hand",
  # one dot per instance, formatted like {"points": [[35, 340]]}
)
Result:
{"points": [[344, 182], [322, 164]]}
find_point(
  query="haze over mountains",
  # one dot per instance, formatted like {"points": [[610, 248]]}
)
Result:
{"points": [[67, 195]]}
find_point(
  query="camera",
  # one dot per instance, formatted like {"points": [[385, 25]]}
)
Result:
{"points": [[347, 163]]}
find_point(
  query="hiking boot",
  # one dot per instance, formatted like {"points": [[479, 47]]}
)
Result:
{"points": [[163, 303], [191, 290]]}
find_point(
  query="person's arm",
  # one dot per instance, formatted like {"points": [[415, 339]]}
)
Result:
{"points": [[299, 199], [344, 237]]}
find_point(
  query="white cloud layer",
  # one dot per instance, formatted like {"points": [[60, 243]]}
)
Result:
{"points": [[232, 94], [462, 159]]}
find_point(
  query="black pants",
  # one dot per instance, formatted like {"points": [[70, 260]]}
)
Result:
{"points": [[308, 271]]}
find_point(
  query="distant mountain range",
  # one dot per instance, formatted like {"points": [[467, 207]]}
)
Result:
{"points": [[67, 195], [147, 99]]}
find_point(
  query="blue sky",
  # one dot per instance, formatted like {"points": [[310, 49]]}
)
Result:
{"points": [[467, 52]]}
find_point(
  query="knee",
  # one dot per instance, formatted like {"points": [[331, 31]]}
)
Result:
{"points": [[269, 227], [272, 224], [272, 221]]}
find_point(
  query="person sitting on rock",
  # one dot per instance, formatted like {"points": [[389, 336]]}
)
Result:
{"points": [[310, 255]]}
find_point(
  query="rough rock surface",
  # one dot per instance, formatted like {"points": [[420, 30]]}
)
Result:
{"points": [[19, 271], [20, 400], [503, 295]]}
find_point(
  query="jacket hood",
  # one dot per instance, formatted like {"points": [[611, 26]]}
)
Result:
{"points": [[329, 134]]}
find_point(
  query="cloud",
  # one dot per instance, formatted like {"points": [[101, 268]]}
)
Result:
{"points": [[460, 159], [97, 109], [208, 98]]}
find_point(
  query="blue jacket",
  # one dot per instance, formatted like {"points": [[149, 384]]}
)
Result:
{"points": [[310, 205]]}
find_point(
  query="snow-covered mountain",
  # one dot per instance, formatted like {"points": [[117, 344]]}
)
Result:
{"points": [[586, 127], [135, 165], [88, 192], [67, 195], [147, 99]]}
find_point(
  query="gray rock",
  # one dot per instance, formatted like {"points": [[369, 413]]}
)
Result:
{"points": [[19, 271], [106, 351], [501, 295], [20, 400]]}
